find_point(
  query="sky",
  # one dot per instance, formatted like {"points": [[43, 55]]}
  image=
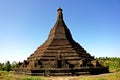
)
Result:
{"points": [[25, 25]]}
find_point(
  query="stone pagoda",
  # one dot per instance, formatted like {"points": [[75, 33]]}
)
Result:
{"points": [[60, 55]]}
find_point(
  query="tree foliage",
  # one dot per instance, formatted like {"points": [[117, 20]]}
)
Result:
{"points": [[112, 62], [7, 66]]}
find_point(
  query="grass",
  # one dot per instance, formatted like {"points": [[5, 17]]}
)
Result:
{"points": [[11, 76], [109, 76]]}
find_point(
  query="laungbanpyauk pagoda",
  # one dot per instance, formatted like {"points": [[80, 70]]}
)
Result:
{"points": [[60, 55]]}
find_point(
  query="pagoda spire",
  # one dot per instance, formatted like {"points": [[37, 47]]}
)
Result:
{"points": [[60, 14], [60, 55]]}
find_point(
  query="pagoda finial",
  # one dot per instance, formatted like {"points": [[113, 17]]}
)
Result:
{"points": [[60, 15]]}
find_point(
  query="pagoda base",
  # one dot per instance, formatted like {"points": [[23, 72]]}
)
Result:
{"points": [[63, 71]]}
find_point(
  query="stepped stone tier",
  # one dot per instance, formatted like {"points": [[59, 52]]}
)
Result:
{"points": [[60, 55]]}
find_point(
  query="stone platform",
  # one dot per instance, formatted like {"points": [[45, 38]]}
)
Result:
{"points": [[63, 71]]}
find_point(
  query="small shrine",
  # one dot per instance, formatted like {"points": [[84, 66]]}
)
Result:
{"points": [[60, 55]]}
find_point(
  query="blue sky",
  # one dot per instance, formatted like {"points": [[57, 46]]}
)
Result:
{"points": [[25, 25]]}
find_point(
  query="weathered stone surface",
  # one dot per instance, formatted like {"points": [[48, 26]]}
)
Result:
{"points": [[60, 55]]}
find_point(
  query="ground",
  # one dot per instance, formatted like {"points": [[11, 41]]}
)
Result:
{"points": [[108, 76], [11, 76]]}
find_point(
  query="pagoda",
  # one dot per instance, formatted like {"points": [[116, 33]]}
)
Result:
{"points": [[60, 55]]}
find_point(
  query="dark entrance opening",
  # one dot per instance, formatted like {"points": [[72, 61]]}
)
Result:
{"points": [[59, 63]]}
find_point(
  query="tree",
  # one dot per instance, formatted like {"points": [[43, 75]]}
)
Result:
{"points": [[1, 66], [7, 66], [14, 65]]}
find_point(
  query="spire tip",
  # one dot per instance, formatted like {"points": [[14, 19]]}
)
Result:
{"points": [[59, 9]]}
